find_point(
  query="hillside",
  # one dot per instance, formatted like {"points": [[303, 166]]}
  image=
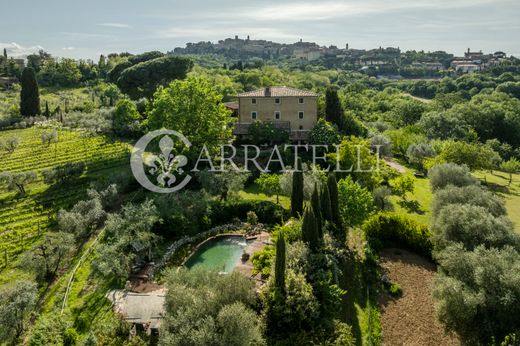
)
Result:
{"points": [[24, 218]]}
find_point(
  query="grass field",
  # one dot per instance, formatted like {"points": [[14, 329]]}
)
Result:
{"points": [[65, 98], [23, 219], [252, 193], [417, 204], [499, 183], [496, 181]]}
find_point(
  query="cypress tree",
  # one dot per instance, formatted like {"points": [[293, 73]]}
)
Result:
{"points": [[279, 268], [310, 233], [30, 95], [315, 202], [334, 202], [297, 193], [326, 209], [333, 109], [47, 111], [5, 53]]}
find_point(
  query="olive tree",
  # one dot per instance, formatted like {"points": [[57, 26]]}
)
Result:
{"points": [[205, 308], [450, 174], [478, 292], [49, 137], [84, 217], [49, 256], [17, 181], [511, 166], [222, 184], [471, 194], [17, 301], [128, 238], [10, 144], [417, 153], [472, 226]]}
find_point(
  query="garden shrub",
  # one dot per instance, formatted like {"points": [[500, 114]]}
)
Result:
{"points": [[262, 261], [291, 230], [395, 290], [390, 229]]}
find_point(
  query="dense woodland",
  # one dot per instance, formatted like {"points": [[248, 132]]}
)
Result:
{"points": [[74, 223]]}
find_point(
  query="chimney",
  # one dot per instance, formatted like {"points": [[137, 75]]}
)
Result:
{"points": [[267, 91]]}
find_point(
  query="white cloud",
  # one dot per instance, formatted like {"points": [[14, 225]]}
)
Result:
{"points": [[305, 11], [68, 48], [16, 50], [115, 25]]}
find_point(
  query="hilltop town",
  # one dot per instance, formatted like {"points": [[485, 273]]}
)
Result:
{"points": [[386, 61]]}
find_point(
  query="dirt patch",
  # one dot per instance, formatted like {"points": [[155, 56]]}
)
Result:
{"points": [[411, 319]]}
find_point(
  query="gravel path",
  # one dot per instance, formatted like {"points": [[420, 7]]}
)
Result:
{"points": [[411, 319], [395, 165]]}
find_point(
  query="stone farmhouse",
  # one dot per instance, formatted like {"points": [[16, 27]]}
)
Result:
{"points": [[293, 110]]}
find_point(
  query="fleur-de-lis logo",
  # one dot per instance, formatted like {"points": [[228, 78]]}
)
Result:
{"points": [[166, 167], [165, 164]]}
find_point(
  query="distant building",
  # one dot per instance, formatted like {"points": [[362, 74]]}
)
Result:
{"points": [[474, 55], [434, 66], [286, 108], [499, 55], [308, 53], [465, 66]]}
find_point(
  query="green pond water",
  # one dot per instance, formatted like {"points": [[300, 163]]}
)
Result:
{"points": [[221, 254]]}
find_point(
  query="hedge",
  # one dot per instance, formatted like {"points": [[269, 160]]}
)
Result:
{"points": [[390, 229], [227, 211]]}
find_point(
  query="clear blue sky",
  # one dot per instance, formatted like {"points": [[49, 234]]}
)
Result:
{"points": [[85, 29]]}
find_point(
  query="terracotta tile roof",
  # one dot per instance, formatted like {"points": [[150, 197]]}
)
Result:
{"points": [[231, 105], [278, 91]]}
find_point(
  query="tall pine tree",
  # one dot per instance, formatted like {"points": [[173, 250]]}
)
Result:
{"points": [[326, 209], [279, 265], [297, 193], [30, 95], [333, 109], [315, 202], [310, 233]]}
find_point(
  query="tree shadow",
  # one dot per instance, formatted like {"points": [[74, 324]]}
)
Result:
{"points": [[95, 305], [411, 206], [359, 281]]}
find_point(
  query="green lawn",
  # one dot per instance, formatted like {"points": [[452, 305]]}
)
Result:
{"points": [[418, 204], [499, 182], [252, 193], [496, 181]]}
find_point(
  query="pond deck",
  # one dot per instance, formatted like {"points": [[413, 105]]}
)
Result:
{"points": [[246, 268]]}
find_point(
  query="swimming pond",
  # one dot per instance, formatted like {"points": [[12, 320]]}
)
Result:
{"points": [[220, 254]]}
